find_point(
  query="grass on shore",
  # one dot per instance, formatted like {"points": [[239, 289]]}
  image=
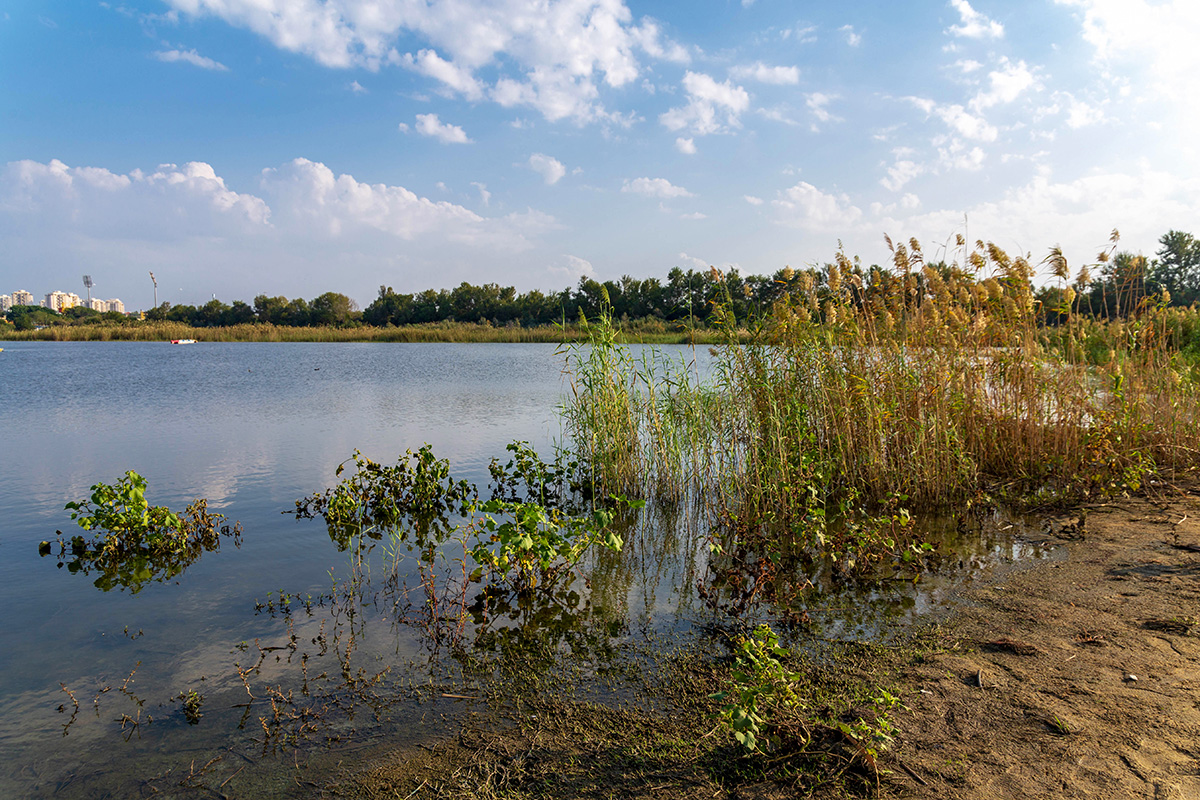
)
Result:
{"points": [[161, 331]]}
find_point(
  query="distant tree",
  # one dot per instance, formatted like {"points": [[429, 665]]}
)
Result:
{"points": [[160, 313], [295, 314], [1177, 268], [270, 309], [240, 313], [331, 308]]}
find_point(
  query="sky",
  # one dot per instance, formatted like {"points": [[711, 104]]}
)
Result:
{"points": [[294, 147]]}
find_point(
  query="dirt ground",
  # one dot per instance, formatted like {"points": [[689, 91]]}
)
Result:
{"points": [[1078, 677]]}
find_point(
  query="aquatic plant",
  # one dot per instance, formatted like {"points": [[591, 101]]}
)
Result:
{"points": [[135, 543]]}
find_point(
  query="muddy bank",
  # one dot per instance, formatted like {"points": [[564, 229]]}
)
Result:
{"points": [[1076, 677], [1090, 671]]}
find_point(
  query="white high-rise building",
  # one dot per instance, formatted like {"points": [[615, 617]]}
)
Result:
{"points": [[5, 302], [60, 301], [22, 298], [116, 305]]}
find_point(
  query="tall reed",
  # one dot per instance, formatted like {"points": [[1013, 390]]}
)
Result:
{"points": [[926, 382]]}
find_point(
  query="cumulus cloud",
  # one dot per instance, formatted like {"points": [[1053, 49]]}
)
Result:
{"points": [[900, 173], [853, 39], [171, 201], [485, 196], [711, 108], [752, 200], [758, 71], [551, 56], [574, 268], [452, 76], [655, 187], [805, 206], [301, 221], [430, 125], [1006, 84], [550, 168], [190, 57], [966, 124], [974, 25], [686, 145]]}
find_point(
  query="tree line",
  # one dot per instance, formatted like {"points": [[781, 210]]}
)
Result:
{"points": [[1121, 282]]}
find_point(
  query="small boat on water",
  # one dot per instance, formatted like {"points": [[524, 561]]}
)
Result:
{"points": [[183, 341]]}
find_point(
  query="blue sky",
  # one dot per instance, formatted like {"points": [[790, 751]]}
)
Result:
{"points": [[300, 146]]}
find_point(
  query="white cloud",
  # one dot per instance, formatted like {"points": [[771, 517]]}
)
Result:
{"points": [[853, 39], [1006, 85], [1078, 214], [692, 261], [687, 146], [1081, 115], [485, 196], [551, 169], [551, 56], [655, 187], [693, 215], [900, 173], [1155, 40], [966, 124], [974, 25], [805, 206], [454, 77], [172, 201], [357, 87], [752, 200], [300, 224], [711, 108], [817, 103], [575, 268], [190, 57], [758, 71], [968, 65], [430, 125]]}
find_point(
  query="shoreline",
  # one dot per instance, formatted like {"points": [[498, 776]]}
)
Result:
{"points": [[1024, 690]]}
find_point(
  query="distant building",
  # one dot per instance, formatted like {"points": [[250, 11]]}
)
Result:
{"points": [[116, 305], [5, 302], [61, 301], [22, 298]]}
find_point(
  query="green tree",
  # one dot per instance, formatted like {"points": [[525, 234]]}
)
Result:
{"points": [[1177, 268]]}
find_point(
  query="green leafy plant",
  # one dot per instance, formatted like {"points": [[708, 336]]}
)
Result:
{"points": [[762, 687], [528, 544], [416, 500], [135, 543]]}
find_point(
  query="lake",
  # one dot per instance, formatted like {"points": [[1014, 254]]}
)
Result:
{"points": [[252, 428]]}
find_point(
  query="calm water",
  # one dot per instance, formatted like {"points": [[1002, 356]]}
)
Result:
{"points": [[253, 427]]}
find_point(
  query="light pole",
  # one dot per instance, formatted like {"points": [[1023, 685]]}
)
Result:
{"points": [[87, 281], [155, 282]]}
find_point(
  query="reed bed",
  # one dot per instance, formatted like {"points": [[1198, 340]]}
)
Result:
{"points": [[160, 331], [920, 386]]}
